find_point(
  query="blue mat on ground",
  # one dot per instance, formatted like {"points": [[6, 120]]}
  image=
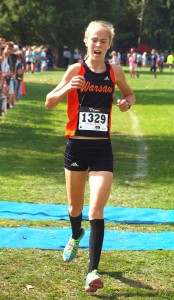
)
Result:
{"points": [[28, 211], [56, 239]]}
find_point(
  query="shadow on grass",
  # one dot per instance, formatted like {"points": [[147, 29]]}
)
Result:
{"points": [[130, 295], [136, 289], [127, 281]]}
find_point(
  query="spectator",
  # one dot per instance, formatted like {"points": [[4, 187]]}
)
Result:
{"points": [[29, 60], [66, 56], [132, 66], [5, 69], [10, 58], [50, 58], [43, 59], [160, 62], [114, 58], [134, 55], [38, 59], [144, 59], [76, 56], [3, 100], [154, 58], [19, 74], [170, 60], [139, 61]]}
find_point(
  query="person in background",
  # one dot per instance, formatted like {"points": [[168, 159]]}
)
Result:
{"points": [[5, 76], [19, 74], [38, 59], [76, 55], [89, 86], [66, 56], [154, 57], [119, 55], [3, 99], [1, 62], [29, 60], [134, 55], [43, 59], [132, 66], [170, 60], [10, 58], [50, 58], [139, 61], [160, 61], [144, 59], [5, 71], [114, 58]]}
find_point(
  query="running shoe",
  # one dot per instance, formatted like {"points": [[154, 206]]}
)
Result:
{"points": [[93, 282], [71, 248]]}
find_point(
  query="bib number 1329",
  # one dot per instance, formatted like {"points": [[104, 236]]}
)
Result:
{"points": [[93, 120]]}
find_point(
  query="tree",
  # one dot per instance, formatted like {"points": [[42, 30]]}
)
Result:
{"points": [[17, 20], [159, 24], [56, 23]]}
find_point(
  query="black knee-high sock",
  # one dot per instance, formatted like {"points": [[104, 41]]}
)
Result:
{"points": [[95, 243], [76, 226]]}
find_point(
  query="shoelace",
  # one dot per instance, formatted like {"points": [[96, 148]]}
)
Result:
{"points": [[72, 245]]}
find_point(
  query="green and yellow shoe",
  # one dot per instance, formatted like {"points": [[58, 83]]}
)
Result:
{"points": [[71, 248]]}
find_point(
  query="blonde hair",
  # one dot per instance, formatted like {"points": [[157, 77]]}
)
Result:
{"points": [[100, 24]]}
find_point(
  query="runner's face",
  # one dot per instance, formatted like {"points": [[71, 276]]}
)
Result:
{"points": [[98, 43]]}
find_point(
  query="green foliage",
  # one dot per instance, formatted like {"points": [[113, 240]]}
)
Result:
{"points": [[18, 23], [57, 23], [158, 24], [127, 25]]}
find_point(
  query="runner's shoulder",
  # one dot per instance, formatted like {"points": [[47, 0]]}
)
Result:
{"points": [[74, 68]]}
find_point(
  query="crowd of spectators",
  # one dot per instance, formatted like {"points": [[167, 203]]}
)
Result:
{"points": [[15, 61], [11, 74], [135, 60]]}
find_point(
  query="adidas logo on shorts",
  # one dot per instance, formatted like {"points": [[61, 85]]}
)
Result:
{"points": [[74, 164], [106, 78]]}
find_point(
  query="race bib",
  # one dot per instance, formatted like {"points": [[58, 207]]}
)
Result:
{"points": [[95, 119]]}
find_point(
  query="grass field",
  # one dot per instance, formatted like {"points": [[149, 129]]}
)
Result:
{"points": [[31, 170]]}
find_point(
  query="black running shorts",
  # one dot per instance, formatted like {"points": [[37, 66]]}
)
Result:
{"points": [[91, 155]]}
